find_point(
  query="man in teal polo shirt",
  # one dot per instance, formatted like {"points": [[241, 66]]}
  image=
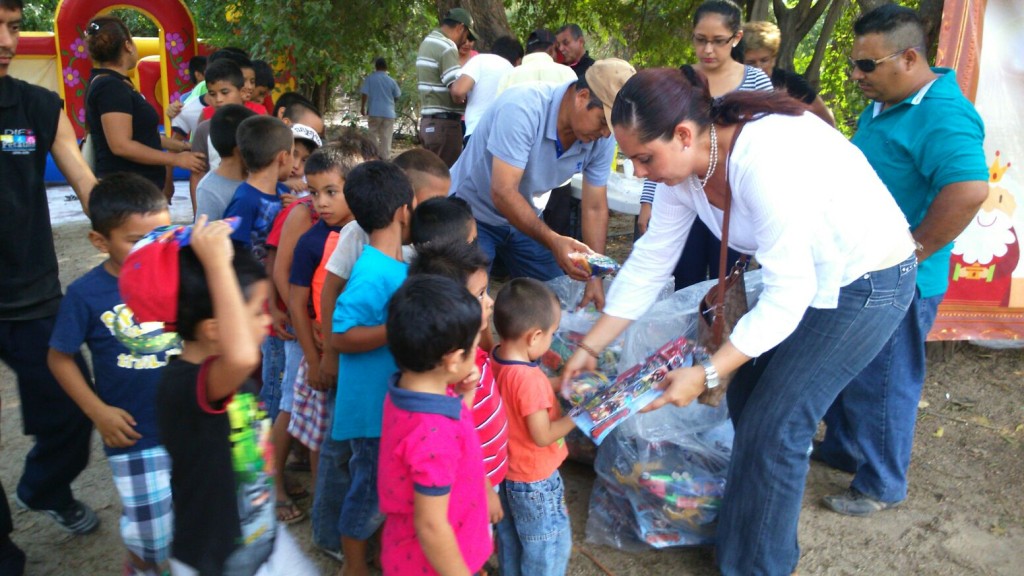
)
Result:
{"points": [[925, 141]]}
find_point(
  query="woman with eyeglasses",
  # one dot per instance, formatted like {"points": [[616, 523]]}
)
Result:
{"points": [[124, 127], [838, 268], [716, 35]]}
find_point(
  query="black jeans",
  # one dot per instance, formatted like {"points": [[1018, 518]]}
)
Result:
{"points": [[62, 431]]}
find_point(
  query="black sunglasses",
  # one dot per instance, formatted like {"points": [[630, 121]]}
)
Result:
{"points": [[868, 65]]}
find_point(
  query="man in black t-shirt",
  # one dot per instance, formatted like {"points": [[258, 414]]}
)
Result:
{"points": [[32, 123], [573, 47]]}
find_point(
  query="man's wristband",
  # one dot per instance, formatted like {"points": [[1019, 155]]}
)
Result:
{"points": [[589, 350]]}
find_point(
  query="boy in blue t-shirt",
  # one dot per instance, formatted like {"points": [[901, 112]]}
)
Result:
{"points": [[266, 147], [381, 199], [126, 363]]}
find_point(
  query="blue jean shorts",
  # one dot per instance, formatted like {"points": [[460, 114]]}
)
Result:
{"points": [[360, 513], [535, 538]]}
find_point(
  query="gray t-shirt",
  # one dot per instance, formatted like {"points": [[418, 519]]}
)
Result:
{"points": [[521, 128], [213, 194]]}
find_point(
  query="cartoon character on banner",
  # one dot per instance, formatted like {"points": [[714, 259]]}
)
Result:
{"points": [[986, 254]]}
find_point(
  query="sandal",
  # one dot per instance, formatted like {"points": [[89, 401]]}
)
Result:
{"points": [[288, 512], [296, 491]]}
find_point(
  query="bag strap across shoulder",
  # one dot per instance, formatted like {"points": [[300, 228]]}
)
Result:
{"points": [[723, 257]]}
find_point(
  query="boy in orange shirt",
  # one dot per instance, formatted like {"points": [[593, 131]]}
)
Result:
{"points": [[536, 537]]}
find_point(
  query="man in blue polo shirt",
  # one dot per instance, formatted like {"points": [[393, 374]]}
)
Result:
{"points": [[532, 139], [925, 141]]}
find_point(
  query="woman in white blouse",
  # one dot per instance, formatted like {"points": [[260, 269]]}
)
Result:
{"points": [[838, 267]]}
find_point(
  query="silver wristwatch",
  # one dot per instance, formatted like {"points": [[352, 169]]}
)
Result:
{"points": [[710, 374]]}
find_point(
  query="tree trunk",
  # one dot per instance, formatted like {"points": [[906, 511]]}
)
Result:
{"points": [[757, 10], [931, 14], [813, 72], [489, 19], [795, 23]]}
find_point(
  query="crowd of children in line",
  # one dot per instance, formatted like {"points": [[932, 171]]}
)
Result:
{"points": [[379, 361]]}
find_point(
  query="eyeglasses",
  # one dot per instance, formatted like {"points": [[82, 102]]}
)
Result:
{"points": [[716, 42], [868, 65]]}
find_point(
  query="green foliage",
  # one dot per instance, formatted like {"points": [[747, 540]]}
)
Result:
{"points": [[38, 16], [331, 43], [645, 32]]}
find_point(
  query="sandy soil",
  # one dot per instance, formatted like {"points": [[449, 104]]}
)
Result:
{"points": [[964, 514]]}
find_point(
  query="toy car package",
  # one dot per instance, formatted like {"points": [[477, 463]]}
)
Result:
{"points": [[603, 405]]}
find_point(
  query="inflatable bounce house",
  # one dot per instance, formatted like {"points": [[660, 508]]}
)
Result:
{"points": [[60, 62]]}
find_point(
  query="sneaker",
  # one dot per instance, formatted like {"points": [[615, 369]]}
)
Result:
{"points": [[76, 518], [854, 503], [333, 554]]}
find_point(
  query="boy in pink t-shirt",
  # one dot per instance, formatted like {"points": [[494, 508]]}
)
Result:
{"points": [[431, 477]]}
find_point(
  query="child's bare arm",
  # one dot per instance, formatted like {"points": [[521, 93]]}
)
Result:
{"points": [[241, 354], [280, 317], [295, 225], [435, 534], [333, 285], [298, 296], [116, 426], [545, 431], [359, 339]]}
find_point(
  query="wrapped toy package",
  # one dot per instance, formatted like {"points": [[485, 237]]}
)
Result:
{"points": [[601, 404]]}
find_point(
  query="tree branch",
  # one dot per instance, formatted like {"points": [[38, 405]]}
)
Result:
{"points": [[835, 11]]}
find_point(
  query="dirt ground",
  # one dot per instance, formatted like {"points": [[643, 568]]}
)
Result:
{"points": [[964, 514]]}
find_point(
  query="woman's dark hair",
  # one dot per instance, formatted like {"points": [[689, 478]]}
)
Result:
{"points": [[656, 100], [727, 9], [105, 37], [428, 317]]}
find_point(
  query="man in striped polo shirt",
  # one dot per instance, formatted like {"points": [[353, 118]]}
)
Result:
{"points": [[437, 68]]}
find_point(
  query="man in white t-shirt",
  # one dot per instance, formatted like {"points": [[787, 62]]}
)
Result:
{"points": [[481, 76]]}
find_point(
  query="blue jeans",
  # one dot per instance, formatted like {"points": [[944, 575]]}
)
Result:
{"points": [[360, 513], [62, 432], [292, 358], [535, 538], [523, 256], [332, 484], [273, 374], [871, 424], [776, 402]]}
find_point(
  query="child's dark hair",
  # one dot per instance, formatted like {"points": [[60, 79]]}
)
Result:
{"points": [[441, 219], [332, 157], [236, 55], [430, 316], [225, 70], [522, 305], [355, 143], [260, 139], [196, 65], [418, 162], [194, 301], [294, 105], [455, 259], [264, 74], [224, 126], [374, 191], [119, 196]]}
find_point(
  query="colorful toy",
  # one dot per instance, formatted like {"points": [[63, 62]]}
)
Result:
{"points": [[608, 405], [594, 264]]}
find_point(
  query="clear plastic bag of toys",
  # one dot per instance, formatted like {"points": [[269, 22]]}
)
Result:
{"points": [[661, 478], [671, 317]]}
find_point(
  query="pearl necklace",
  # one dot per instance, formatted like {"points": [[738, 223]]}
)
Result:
{"points": [[712, 163]]}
